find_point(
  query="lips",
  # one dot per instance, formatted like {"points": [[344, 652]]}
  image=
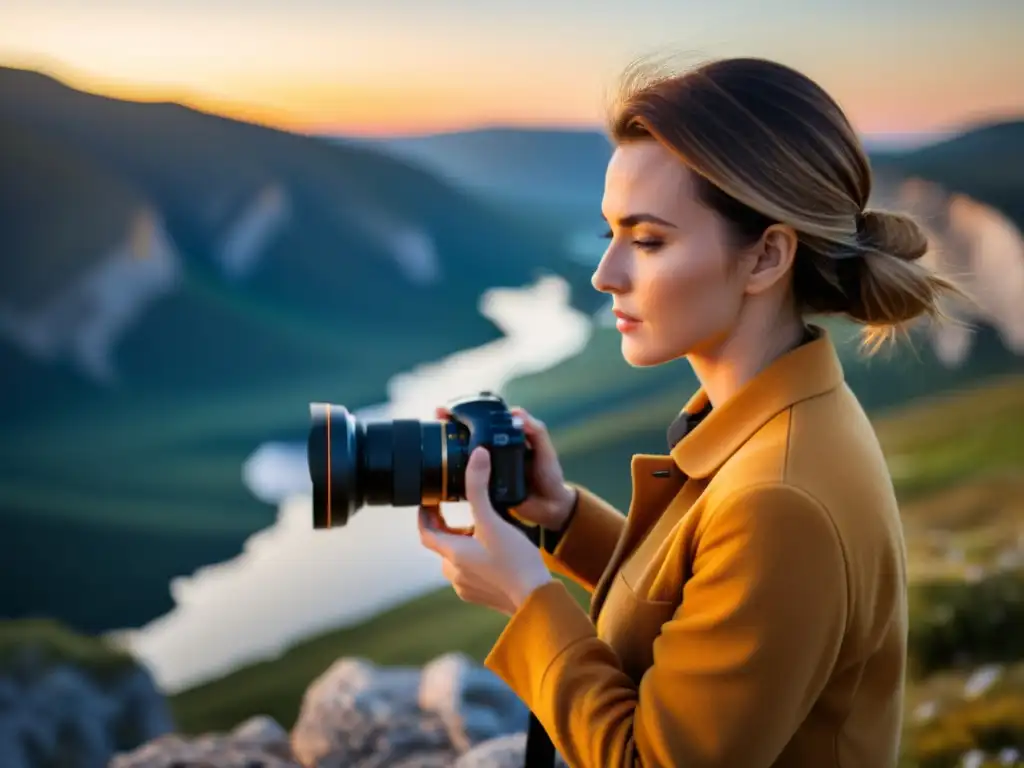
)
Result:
{"points": [[623, 316]]}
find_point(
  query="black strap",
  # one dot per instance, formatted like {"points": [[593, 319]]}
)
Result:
{"points": [[540, 750]]}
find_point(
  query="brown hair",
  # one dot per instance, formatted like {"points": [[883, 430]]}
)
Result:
{"points": [[768, 145]]}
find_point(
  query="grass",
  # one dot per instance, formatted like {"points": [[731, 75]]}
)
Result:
{"points": [[945, 440], [943, 723], [51, 644], [438, 622]]}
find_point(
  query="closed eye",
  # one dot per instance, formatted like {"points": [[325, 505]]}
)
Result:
{"points": [[650, 244]]}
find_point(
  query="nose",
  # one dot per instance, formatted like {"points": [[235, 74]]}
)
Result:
{"points": [[612, 273]]}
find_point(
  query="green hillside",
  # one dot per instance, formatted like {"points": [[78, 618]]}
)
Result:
{"points": [[979, 431], [965, 164], [94, 203]]}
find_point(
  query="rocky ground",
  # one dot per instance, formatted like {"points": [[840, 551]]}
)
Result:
{"points": [[452, 713]]}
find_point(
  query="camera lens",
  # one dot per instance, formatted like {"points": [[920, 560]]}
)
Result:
{"points": [[405, 462]]}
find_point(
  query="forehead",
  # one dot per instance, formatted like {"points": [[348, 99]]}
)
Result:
{"points": [[645, 177]]}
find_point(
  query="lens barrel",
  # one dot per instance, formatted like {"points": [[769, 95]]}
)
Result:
{"points": [[405, 462]]}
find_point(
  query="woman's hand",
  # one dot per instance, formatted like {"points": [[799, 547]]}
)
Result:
{"points": [[492, 564], [550, 500]]}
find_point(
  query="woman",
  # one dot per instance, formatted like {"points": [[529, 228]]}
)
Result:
{"points": [[750, 611]]}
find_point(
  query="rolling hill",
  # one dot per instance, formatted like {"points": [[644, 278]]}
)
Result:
{"points": [[174, 288]]}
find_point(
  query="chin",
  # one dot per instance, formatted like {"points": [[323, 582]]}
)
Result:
{"points": [[640, 355]]}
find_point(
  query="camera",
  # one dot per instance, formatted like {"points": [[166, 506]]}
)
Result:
{"points": [[409, 462]]}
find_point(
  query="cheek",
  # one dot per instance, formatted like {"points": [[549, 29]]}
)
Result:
{"points": [[687, 290], [687, 298]]}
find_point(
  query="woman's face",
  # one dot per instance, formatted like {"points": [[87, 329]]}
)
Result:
{"points": [[669, 267]]}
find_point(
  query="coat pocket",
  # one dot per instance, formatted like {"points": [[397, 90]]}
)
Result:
{"points": [[630, 624]]}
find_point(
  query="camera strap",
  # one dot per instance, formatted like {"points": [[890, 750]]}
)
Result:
{"points": [[540, 750]]}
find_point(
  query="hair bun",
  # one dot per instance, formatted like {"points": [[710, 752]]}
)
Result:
{"points": [[891, 234]]}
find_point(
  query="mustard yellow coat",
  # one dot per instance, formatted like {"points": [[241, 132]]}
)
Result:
{"points": [[750, 611]]}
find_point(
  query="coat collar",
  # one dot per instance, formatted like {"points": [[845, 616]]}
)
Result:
{"points": [[809, 370]]}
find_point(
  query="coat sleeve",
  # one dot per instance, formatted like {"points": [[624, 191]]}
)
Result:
{"points": [[588, 541], [736, 669]]}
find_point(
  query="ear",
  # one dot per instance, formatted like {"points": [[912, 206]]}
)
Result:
{"points": [[772, 258]]}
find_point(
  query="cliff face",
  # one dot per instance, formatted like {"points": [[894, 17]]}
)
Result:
{"points": [[978, 246]]}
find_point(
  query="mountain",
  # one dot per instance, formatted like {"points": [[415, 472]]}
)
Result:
{"points": [[985, 163], [175, 287], [542, 165]]}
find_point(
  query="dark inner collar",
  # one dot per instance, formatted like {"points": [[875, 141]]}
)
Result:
{"points": [[685, 422]]}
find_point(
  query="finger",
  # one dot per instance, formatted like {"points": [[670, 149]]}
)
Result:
{"points": [[432, 536], [449, 571], [477, 477], [432, 519], [456, 547], [537, 432]]}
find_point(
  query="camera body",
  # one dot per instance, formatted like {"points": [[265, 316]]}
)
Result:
{"points": [[489, 424], [408, 462]]}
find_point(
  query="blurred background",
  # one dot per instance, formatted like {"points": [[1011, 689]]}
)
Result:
{"points": [[212, 214]]}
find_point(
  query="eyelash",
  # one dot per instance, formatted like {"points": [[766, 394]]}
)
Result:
{"points": [[650, 245]]}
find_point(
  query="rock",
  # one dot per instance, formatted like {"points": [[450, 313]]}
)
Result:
{"points": [[472, 702], [265, 733], [358, 715], [62, 715], [210, 751], [502, 752]]}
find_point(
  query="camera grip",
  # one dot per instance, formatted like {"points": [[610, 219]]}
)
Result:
{"points": [[507, 486]]}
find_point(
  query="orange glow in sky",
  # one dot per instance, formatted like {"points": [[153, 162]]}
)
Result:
{"points": [[320, 66]]}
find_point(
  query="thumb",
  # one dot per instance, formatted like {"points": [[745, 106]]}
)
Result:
{"points": [[478, 475]]}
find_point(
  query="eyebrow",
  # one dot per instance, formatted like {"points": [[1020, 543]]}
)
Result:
{"points": [[628, 222]]}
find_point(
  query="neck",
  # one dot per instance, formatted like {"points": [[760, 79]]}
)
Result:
{"points": [[725, 369]]}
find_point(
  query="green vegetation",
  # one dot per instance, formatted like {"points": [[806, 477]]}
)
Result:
{"points": [[943, 723], [946, 440], [957, 623], [38, 644]]}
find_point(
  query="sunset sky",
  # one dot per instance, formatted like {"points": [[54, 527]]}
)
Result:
{"points": [[403, 66]]}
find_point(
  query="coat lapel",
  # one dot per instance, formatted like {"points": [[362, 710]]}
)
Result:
{"points": [[699, 446]]}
